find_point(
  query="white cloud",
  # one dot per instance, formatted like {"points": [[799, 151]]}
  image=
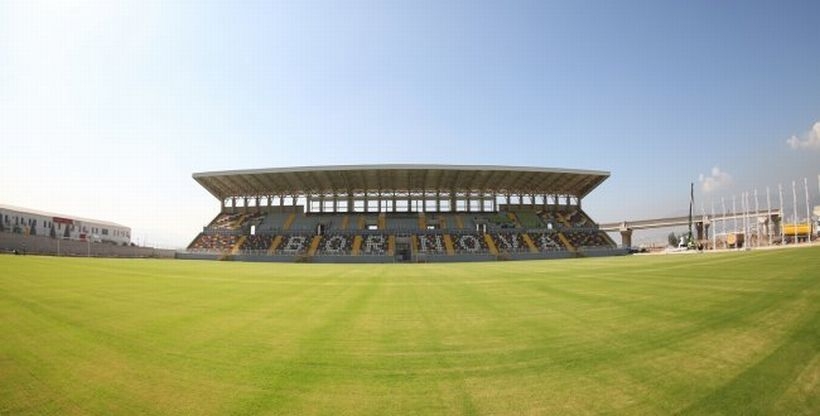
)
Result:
{"points": [[808, 140], [717, 179]]}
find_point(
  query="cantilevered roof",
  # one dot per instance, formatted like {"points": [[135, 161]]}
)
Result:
{"points": [[399, 178]]}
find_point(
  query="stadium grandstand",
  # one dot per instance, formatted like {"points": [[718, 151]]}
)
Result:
{"points": [[413, 213]]}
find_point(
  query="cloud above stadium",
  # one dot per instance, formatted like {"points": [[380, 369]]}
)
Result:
{"points": [[808, 140], [716, 180]]}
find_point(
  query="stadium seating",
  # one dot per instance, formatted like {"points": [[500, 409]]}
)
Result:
{"points": [[528, 219], [374, 245], [335, 244], [225, 222], [577, 219], [552, 228], [404, 222], [547, 241], [469, 243], [509, 242], [499, 221], [593, 239], [431, 244], [549, 218], [294, 244], [257, 242], [213, 243]]}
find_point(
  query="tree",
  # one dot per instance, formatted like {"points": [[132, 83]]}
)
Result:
{"points": [[67, 233], [52, 233], [673, 239]]}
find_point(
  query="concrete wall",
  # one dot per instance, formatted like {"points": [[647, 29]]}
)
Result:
{"points": [[388, 259], [35, 244]]}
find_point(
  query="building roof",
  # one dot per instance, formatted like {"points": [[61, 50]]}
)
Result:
{"points": [[400, 178], [4, 207]]}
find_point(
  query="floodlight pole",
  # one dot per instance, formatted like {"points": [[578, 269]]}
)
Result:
{"points": [[744, 202], [714, 227], [768, 216], [794, 209], [691, 207], [723, 223], [808, 212], [757, 222], [782, 213], [734, 215]]}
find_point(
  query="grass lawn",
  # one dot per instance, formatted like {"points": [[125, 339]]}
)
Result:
{"points": [[733, 333]]}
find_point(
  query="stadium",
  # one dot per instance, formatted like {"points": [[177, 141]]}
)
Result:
{"points": [[579, 328], [401, 213], [409, 208]]}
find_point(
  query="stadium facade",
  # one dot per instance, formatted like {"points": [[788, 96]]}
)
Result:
{"points": [[386, 213], [40, 223]]}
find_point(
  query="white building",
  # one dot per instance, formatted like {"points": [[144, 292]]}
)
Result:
{"points": [[33, 222]]}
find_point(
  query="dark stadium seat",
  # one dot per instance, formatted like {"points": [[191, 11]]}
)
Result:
{"points": [[294, 244], [547, 241], [509, 242], [335, 244], [374, 245], [469, 243], [257, 242], [213, 242], [431, 244]]}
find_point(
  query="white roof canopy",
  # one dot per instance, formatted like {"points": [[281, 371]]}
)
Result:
{"points": [[400, 178]]}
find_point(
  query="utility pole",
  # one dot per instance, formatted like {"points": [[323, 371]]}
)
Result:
{"points": [[768, 216]]}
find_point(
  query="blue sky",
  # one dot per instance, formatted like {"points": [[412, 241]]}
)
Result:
{"points": [[106, 108]]}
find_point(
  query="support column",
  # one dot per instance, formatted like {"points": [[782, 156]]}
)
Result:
{"points": [[626, 236]]}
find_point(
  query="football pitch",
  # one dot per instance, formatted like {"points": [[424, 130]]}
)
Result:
{"points": [[731, 333]]}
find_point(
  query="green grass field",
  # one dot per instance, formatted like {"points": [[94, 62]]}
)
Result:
{"points": [[734, 333]]}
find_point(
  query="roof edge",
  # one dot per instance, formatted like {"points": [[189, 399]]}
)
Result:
{"points": [[398, 167]]}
